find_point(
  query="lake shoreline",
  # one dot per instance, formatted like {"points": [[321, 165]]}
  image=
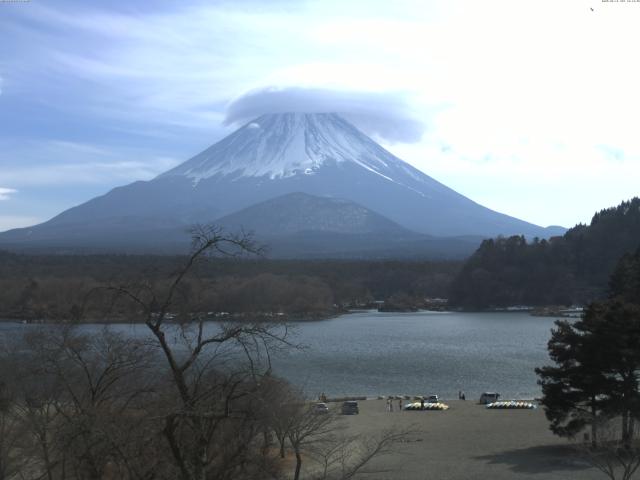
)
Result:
{"points": [[257, 318], [547, 311]]}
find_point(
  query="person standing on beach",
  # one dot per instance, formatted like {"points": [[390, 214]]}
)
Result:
{"points": [[400, 404], [421, 403], [388, 404], [462, 396]]}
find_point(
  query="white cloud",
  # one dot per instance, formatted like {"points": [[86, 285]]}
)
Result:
{"points": [[529, 107], [386, 115], [5, 193], [97, 173], [59, 162]]}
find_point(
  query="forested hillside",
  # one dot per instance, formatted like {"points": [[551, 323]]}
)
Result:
{"points": [[49, 286], [572, 269]]}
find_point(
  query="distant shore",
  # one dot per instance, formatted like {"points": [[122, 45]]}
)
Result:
{"points": [[258, 317], [270, 317]]}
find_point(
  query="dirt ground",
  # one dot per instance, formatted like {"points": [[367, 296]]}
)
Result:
{"points": [[468, 442]]}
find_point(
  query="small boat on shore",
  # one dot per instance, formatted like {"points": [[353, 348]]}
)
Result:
{"points": [[426, 406], [513, 404]]}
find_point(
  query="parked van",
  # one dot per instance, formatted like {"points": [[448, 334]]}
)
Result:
{"points": [[350, 408], [489, 397]]}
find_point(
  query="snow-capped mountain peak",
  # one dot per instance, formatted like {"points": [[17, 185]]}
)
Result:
{"points": [[288, 144], [319, 155]]}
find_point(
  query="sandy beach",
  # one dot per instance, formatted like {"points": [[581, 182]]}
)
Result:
{"points": [[469, 441]]}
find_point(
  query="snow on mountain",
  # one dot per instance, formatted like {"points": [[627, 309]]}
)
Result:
{"points": [[287, 144], [317, 154]]}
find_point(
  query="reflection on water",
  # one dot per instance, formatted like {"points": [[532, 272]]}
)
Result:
{"points": [[373, 353]]}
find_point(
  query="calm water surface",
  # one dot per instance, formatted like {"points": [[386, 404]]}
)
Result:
{"points": [[373, 353], [421, 353]]}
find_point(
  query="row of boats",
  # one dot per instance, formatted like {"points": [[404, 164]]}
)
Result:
{"points": [[508, 405], [513, 404], [426, 406]]}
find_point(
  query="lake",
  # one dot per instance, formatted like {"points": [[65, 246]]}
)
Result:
{"points": [[371, 353]]}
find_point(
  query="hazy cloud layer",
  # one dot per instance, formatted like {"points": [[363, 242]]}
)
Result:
{"points": [[65, 163], [385, 115], [5, 193]]}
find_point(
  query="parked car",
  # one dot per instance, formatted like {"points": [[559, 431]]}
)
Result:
{"points": [[321, 407], [489, 397], [432, 399], [350, 408]]}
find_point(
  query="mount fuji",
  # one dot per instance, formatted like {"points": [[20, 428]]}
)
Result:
{"points": [[317, 156]]}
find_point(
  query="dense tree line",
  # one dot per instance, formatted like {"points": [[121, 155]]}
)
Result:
{"points": [[572, 269], [57, 286]]}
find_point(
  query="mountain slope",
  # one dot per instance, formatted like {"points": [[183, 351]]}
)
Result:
{"points": [[300, 212], [318, 154], [304, 226]]}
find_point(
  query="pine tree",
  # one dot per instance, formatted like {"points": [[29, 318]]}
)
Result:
{"points": [[597, 371], [614, 326], [625, 280], [572, 390]]}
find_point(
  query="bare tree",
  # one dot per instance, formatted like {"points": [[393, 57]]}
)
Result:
{"points": [[76, 397], [348, 456], [279, 409], [39, 409], [321, 437], [616, 456], [188, 399], [212, 380], [308, 428], [12, 438]]}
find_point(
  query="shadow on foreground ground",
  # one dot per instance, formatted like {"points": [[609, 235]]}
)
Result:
{"points": [[543, 459]]}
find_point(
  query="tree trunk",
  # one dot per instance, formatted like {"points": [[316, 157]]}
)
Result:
{"points": [[265, 442], [281, 448], [625, 429], [47, 459], [298, 465], [169, 435], [200, 471], [594, 426]]}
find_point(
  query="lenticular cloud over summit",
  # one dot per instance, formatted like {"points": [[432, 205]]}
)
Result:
{"points": [[282, 145], [384, 115]]}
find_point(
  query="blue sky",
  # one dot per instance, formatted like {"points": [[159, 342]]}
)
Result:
{"points": [[529, 108]]}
